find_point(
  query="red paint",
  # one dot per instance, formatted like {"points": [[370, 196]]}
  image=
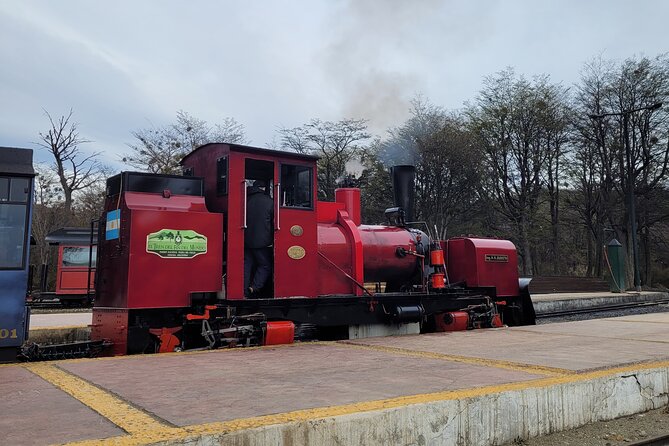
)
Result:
{"points": [[380, 253], [279, 332], [111, 324], [296, 277], [332, 242], [378, 245], [356, 250], [72, 279], [327, 211], [131, 277], [467, 263], [292, 277], [350, 198], [453, 321], [200, 317], [437, 257], [168, 342], [438, 281]]}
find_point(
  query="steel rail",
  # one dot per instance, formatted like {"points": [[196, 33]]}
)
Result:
{"points": [[661, 440], [600, 308]]}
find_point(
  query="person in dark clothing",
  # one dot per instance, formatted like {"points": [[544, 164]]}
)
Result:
{"points": [[258, 238]]}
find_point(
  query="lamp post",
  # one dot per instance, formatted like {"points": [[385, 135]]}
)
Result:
{"points": [[631, 204]]}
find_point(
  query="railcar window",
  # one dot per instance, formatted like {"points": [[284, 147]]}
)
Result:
{"points": [[296, 186], [78, 256], [222, 176], [19, 190], [12, 235], [4, 189]]}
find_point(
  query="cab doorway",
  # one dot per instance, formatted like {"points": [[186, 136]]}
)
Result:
{"points": [[258, 226]]}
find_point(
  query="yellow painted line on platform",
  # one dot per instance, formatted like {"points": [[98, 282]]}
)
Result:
{"points": [[636, 321], [496, 363], [122, 414], [226, 427], [592, 336]]}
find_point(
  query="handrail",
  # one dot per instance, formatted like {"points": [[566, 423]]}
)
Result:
{"points": [[278, 207], [244, 204]]}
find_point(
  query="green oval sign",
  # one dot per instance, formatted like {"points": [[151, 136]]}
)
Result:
{"points": [[176, 243]]}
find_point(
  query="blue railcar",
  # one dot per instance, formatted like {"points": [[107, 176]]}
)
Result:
{"points": [[16, 197]]}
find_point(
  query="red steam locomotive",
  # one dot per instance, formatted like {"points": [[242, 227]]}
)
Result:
{"points": [[171, 251]]}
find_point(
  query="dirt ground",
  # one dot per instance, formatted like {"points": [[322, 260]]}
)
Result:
{"points": [[616, 432]]}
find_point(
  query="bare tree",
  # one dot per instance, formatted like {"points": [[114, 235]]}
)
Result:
{"points": [[335, 142], [621, 96], [516, 135], [76, 170], [160, 149], [555, 114], [48, 215], [401, 146], [592, 170], [448, 175]]}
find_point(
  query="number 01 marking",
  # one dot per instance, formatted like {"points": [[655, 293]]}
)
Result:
{"points": [[5, 333]]}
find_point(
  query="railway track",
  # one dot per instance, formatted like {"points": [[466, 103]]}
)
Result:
{"points": [[601, 308], [662, 440]]}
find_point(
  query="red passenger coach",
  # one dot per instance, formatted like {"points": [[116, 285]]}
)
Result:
{"points": [[75, 267], [171, 261]]}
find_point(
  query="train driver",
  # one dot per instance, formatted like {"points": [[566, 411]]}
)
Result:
{"points": [[258, 238]]}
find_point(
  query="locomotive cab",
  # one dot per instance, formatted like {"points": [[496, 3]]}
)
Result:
{"points": [[228, 170]]}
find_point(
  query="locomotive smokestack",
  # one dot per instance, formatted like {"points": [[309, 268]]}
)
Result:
{"points": [[404, 189]]}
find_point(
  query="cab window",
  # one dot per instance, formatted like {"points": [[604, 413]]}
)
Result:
{"points": [[222, 176], [296, 186]]}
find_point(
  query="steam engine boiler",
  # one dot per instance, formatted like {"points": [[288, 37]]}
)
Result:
{"points": [[171, 261]]}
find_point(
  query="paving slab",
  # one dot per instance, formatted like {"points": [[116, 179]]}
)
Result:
{"points": [[225, 385], [651, 328], [661, 318], [34, 412], [576, 346]]}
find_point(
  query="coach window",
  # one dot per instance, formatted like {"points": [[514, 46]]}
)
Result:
{"points": [[77, 256], [222, 176], [14, 196], [296, 186]]}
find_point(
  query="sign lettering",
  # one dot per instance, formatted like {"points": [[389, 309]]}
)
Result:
{"points": [[176, 243], [497, 258]]}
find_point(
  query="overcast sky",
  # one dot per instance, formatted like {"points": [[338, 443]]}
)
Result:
{"points": [[126, 65]]}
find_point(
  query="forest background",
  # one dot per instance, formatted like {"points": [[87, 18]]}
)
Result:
{"points": [[549, 166]]}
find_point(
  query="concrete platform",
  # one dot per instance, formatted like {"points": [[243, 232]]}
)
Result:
{"points": [[475, 388], [546, 303]]}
